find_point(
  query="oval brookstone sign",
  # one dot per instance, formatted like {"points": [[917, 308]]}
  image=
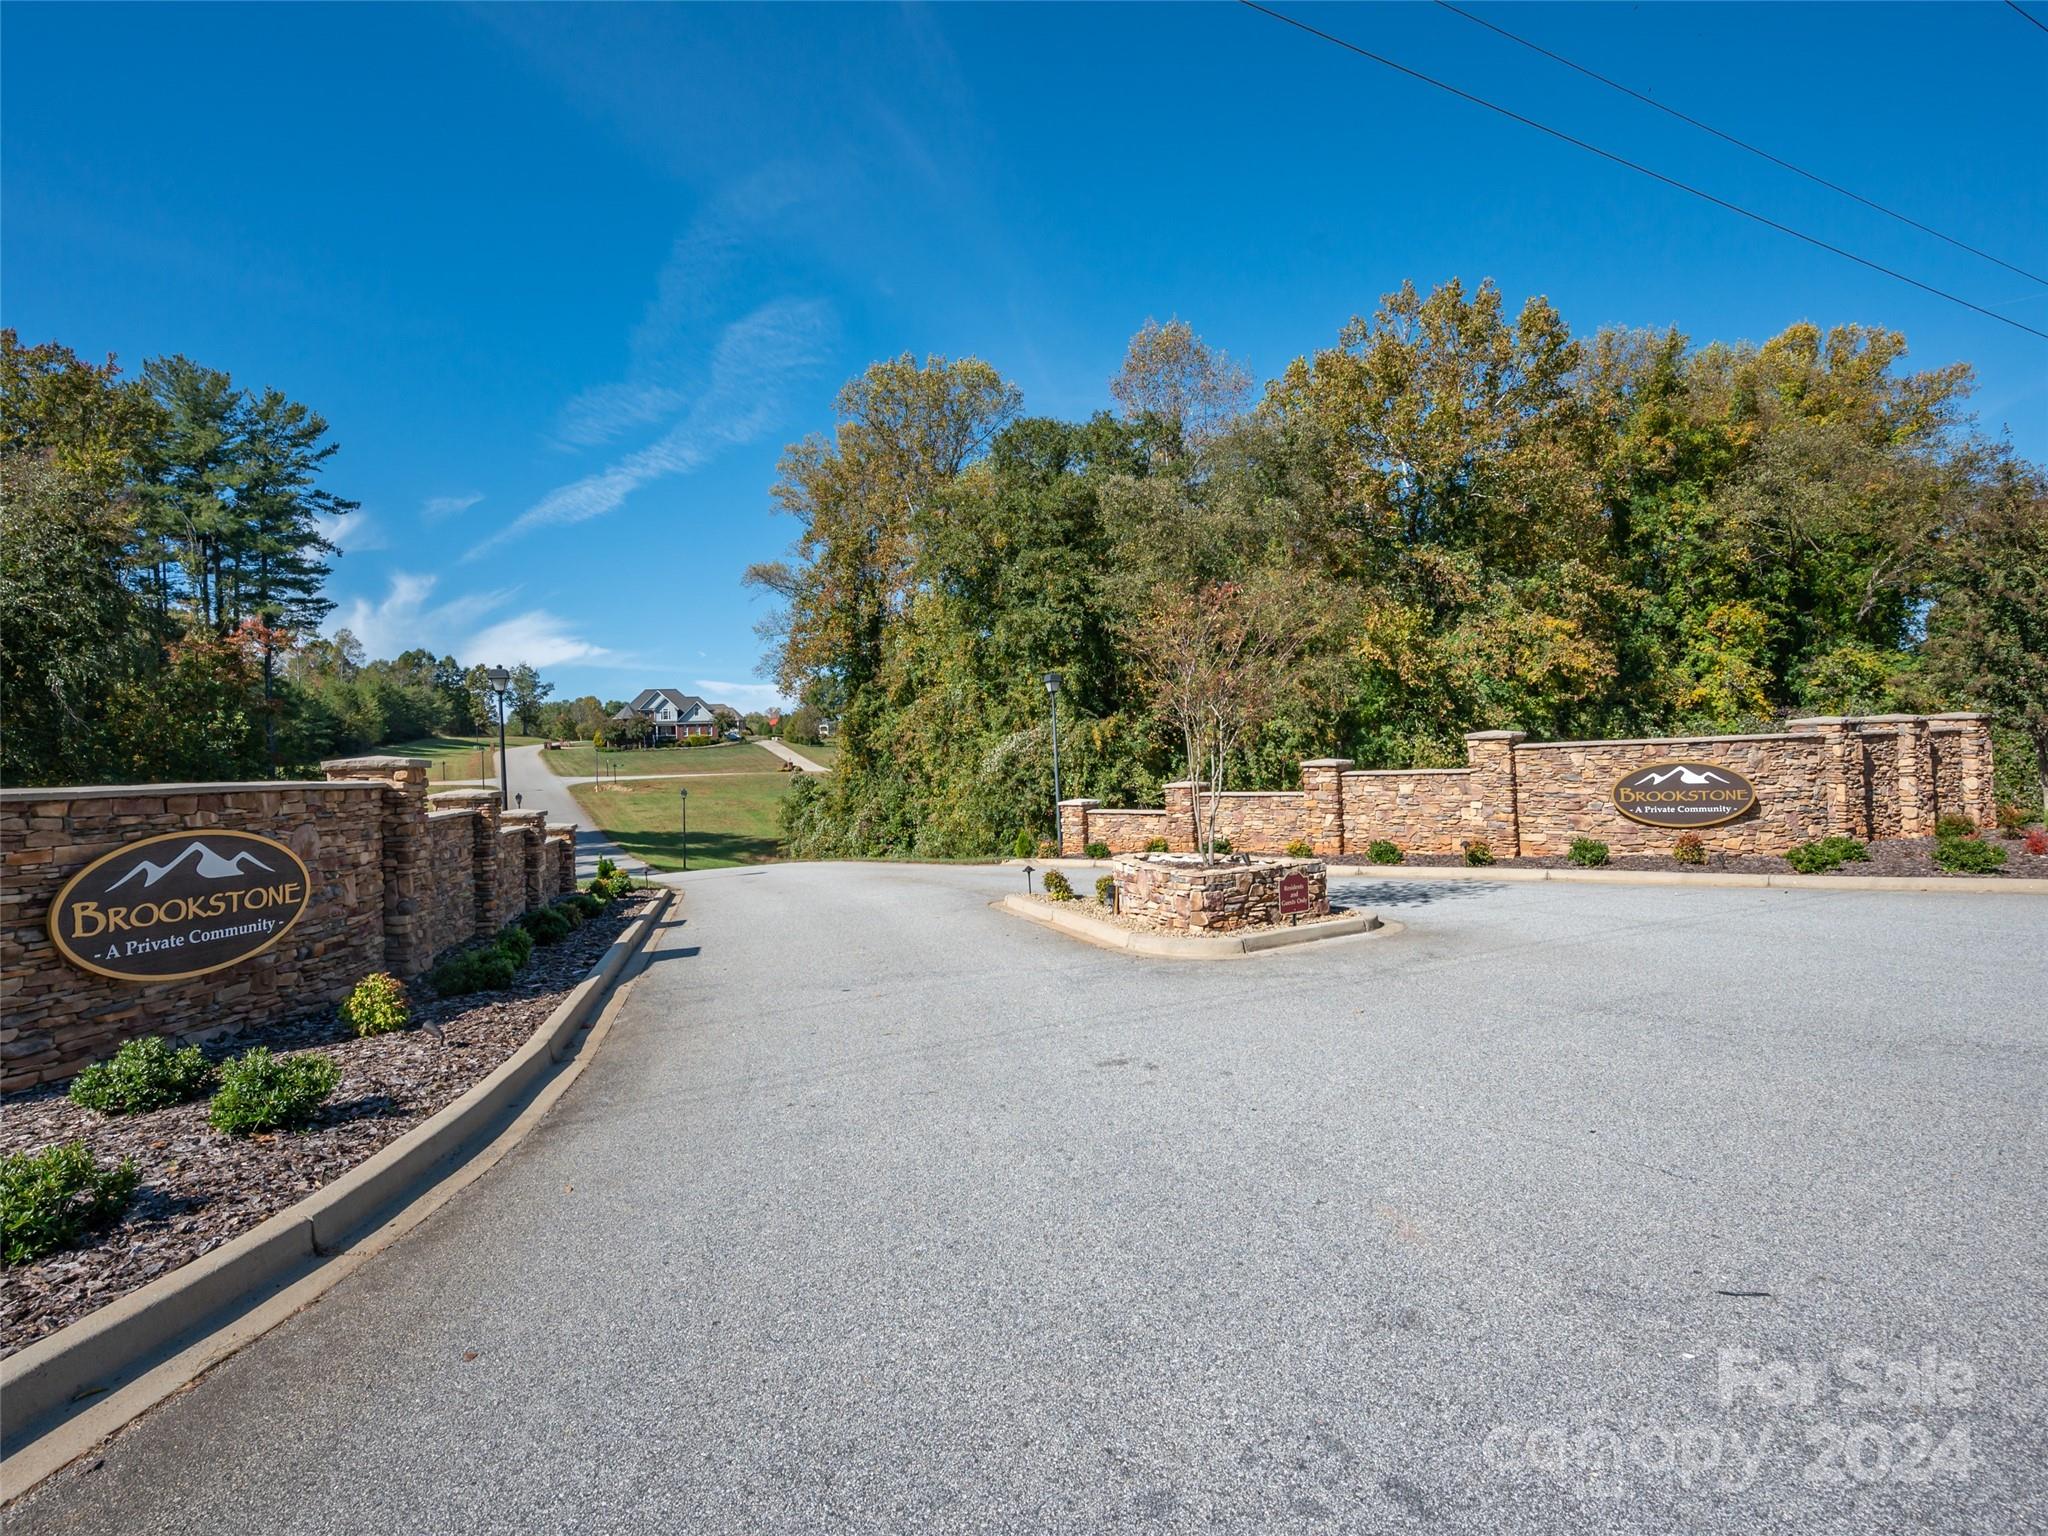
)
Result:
{"points": [[1683, 795], [179, 905]]}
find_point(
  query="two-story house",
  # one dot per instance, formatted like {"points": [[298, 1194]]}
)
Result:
{"points": [[671, 714]]}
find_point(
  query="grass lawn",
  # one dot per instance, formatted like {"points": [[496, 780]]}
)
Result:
{"points": [[733, 817], [455, 757], [581, 760], [824, 754]]}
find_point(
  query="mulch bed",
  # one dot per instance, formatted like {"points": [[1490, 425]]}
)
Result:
{"points": [[200, 1188], [1899, 856]]}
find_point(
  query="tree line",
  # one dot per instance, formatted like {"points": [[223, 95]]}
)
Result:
{"points": [[164, 543], [1453, 518]]}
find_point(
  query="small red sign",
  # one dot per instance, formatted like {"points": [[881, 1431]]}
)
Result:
{"points": [[1294, 897]]}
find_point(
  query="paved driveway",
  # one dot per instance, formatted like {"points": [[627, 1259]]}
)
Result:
{"points": [[883, 1212]]}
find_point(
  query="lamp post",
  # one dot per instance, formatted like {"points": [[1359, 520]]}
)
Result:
{"points": [[1052, 692], [500, 680], [684, 796]]}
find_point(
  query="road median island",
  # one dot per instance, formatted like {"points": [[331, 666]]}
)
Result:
{"points": [[1074, 920], [65, 1392]]}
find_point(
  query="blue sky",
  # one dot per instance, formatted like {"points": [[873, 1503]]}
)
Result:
{"points": [[565, 280]]}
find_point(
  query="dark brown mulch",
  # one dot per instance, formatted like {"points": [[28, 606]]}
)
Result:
{"points": [[1898, 856], [200, 1188]]}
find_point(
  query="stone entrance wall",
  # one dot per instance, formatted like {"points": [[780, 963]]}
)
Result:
{"points": [[1234, 894], [397, 879], [1870, 777]]}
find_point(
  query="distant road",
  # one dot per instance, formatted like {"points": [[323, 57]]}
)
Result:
{"points": [[795, 759]]}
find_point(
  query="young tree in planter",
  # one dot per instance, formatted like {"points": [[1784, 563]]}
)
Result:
{"points": [[1215, 661], [1988, 635]]}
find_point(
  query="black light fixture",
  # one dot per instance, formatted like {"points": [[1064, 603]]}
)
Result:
{"points": [[1052, 692], [500, 680]]}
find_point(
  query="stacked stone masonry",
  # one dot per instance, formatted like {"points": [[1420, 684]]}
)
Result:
{"points": [[1870, 777], [1218, 899], [398, 880]]}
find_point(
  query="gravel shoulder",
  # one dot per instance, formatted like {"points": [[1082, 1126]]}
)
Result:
{"points": [[200, 1188]]}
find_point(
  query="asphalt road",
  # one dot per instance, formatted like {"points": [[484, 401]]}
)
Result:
{"points": [[881, 1211]]}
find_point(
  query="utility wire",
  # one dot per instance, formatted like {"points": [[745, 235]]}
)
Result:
{"points": [[2037, 21], [1651, 101], [1643, 170]]}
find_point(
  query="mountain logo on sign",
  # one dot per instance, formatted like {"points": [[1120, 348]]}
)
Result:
{"points": [[209, 866], [1684, 775]]}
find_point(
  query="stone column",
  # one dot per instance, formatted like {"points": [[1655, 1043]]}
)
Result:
{"points": [[1322, 810], [404, 835], [1842, 770], [1180, 815], [535, 826], [1492, 756], [1971, 740], [1916, 778], [1074, 825], [483, 853], [564, 836]]}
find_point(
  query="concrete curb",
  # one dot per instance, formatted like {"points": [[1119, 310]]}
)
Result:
{"points": [[65, 1393], [1230, 946], [1969, 884]]}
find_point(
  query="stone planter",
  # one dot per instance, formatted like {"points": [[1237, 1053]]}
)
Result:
{"points": [[1179, 894]]}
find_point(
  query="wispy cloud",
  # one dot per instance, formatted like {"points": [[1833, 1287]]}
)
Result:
{"points": [[407, 617], [352, 532], [741, 696], [434, 508], [755, 362], [535, 637]]}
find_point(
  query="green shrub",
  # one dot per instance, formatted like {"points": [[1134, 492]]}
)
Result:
{"points": [[2013, 819], [1954, 826], [1478, 852], [516, 942], [143, 1075], [1022, 845], [1105, 890], [571, 910], [48, 1199], [376, 1005], [262, 1092], [475, 970], [1380, 851], [1156, 845], [1097, 850], [1968, 856], [606, 869], [1221, 845], [1690, 848], [1300, 850], [583, 903], [1587, 852], [548, 925], [1057, 887], [1826, 854]]}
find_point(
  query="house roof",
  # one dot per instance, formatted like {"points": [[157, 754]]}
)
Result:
{"points": [[685, 703]]}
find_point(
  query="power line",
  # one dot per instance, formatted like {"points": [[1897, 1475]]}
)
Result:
{"points": [[1651, 101], [1641, 170], [2037, 21]]}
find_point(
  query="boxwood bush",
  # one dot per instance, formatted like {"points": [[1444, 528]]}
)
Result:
{"points": [[547, 925], [1300, 850], [583, 904], [1380, 851], [376, 1005], [143, 1075], [49, 1199], [1826, 854], [1478, 852], [1156, 845], [1968, 856], [262, 1092], [1097, 850], [1587, 852], [1057, 887]]}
